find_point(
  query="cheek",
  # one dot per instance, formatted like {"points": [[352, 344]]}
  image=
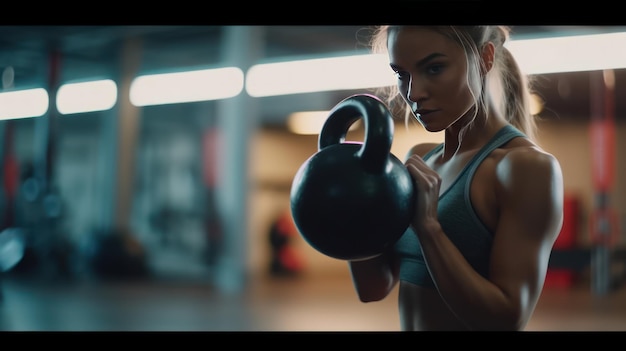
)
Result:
{"points": [[465, 96], [460, 92]]}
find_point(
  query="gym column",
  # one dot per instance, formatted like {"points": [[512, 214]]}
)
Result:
{"points": [[237, 120], [117, 149], [602, 221]]}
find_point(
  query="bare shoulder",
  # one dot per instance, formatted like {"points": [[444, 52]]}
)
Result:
{"points": [[524, 172], [530, 189], [527, 163], [420, 149]]}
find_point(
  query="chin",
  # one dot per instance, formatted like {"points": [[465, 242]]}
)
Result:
{"points": [[429, 127]]}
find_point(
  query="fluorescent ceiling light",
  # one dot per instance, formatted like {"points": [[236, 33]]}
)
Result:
{"points": [[84, 97], [315, 75], [570, 54], [190, 86], [535, 56], [23, 103]]}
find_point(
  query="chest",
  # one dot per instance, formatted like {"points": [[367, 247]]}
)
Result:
{"points": [[483, 182], [451, 169]]}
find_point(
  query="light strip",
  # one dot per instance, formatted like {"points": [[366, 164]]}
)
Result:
{"points": [[535, 56], [570, 54], [316, 75], [23, 103], [189, 86], [98, 95]]}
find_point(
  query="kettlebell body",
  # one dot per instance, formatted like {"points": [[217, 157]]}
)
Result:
{"points": [[353, 200]]}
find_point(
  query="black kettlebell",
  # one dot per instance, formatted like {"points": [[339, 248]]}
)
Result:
{"points": [[352, 200]]}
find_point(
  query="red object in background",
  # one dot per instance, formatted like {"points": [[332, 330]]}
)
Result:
{"points": [[211, 151], [603, 153], [286, 225], [11, 175], [602, 129], [559, 278], [284, 258], [569, 230], [567, 239], [10, 166]]}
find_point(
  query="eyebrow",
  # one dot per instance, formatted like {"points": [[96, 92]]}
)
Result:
{"points": [[423, 61]]}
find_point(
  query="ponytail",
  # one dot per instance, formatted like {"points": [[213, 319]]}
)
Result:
{"points": [[517, 95]]}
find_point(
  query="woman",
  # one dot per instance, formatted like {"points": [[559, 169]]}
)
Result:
{"points": [[489, 204]]}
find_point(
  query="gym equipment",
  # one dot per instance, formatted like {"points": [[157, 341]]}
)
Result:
{"points": [[12, 247], [116, 255], [351, 200]]}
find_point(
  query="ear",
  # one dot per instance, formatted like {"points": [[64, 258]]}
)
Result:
{"points": [[487, 56]]}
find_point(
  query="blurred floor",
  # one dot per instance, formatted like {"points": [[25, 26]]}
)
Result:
{"points": [[269, 304]]}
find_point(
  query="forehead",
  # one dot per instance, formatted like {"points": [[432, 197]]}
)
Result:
{"points": [[414, 43]]}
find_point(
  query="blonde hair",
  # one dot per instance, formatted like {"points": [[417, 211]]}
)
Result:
{"points": [[507, 85]]}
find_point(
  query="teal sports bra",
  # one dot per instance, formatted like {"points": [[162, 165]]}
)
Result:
{"points": [[458, 220]]}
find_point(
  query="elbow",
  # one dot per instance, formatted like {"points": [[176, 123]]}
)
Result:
{"points": [[372, 296], [502, 326], [372, 290], [373, 280], [366, 300], [513, 325], [514, 321], [500, 318]]}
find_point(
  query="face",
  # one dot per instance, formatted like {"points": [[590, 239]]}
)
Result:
{"points": [[431, 71]]}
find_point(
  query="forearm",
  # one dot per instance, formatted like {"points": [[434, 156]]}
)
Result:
{"points": [[476, 301], [373, 278]]}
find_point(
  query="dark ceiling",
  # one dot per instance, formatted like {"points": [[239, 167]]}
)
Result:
{"points": [[88, 49]]}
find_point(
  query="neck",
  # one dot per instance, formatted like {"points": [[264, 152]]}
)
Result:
{"points": [[471, 132]]}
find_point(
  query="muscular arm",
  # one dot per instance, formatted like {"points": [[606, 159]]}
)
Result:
{"points": [[529, 195], [375, 278]]}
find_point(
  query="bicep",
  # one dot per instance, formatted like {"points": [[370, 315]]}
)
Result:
{"points": [[530, 198]]}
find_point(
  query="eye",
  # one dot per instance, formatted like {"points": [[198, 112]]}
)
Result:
{"points": [[434, 68]]}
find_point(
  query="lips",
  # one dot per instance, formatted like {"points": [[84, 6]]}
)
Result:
{"points": [[423, 112]]}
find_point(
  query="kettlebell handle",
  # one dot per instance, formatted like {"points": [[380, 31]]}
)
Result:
{"points": [[378, 123]]}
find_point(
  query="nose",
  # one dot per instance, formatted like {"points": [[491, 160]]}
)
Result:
{"points": [[416, 91]]}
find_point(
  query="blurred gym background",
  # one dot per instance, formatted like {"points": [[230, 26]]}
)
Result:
{"points": [[195, 195]]}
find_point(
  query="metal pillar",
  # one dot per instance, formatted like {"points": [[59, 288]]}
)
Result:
{"points": [[602, 130], [237, 119], [117, 150], [129, 116]]}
